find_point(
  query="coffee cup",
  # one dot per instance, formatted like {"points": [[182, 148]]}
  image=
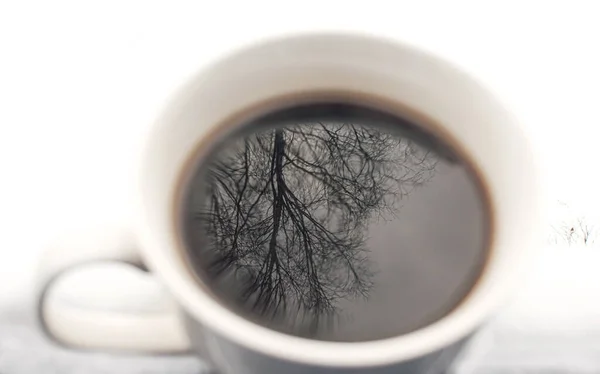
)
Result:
{"points": [[435, 104]]}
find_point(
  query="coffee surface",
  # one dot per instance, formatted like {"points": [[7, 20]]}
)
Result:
{"points": [[335, 222]]}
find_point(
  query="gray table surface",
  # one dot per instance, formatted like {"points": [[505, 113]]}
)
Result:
{"points": [[498, 349]]}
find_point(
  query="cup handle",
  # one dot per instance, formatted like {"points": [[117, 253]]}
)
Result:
{"points": [[96, 294]]}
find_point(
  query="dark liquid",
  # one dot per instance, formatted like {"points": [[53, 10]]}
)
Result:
{"points": [[336, 222]]}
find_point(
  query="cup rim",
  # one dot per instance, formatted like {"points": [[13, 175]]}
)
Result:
{"points": [[490, 289]]}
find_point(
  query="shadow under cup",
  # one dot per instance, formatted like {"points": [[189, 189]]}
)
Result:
{"points": [[335, 221]]}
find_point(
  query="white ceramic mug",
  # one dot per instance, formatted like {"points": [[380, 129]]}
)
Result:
{"points": [[182, 317]]}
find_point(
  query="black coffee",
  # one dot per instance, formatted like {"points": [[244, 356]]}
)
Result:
{"points": [[336, 222]]}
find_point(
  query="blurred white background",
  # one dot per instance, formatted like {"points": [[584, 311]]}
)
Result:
{"points": [[80, 82]]}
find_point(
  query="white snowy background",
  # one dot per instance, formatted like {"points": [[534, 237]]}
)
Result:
{"points": [[81, 81]]}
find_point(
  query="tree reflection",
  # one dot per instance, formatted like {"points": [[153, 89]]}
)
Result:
{"points": [[287, 210]]}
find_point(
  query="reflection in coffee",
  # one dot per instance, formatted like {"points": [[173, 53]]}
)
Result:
{"points": [[335, 222]]}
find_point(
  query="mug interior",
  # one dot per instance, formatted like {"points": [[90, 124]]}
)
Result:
{"points": [[351, 66], [374, 195]]}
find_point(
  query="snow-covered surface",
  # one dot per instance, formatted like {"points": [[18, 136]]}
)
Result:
{"points": [[551, 326]]}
